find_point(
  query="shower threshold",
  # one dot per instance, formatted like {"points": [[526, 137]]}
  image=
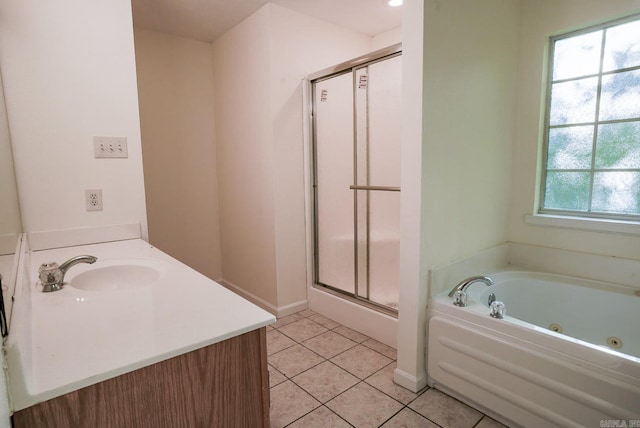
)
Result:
{"points": [[390, 308]]}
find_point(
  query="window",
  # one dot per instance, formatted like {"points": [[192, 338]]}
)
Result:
{"points": [[592, 137]]}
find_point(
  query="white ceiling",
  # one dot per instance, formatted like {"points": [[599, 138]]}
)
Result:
{"points": [[207, 19]]}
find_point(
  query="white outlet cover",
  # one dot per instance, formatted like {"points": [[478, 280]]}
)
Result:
{"points": [[93, 199]]}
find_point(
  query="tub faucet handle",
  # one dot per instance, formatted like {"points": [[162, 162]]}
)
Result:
{"points": [[498, 309], [460, 299]]}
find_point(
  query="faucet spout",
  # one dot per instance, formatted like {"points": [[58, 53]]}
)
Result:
{"points": [[462, 286], [64, 267], [52, 276]]}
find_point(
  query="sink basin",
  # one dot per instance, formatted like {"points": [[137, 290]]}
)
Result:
{"points": [[116, 276]]}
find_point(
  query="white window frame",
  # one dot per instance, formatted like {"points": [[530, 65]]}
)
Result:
{"points": [[613, 222]]}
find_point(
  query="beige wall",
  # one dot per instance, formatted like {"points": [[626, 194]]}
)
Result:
{"points": [[301, 45], [457, 177], [9, 210], [387, 38], [540, 19], [258, 70], [69, 74], [175, 87], [469, 115], [241, 75]]}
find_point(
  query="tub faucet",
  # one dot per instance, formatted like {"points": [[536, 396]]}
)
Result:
{"points": [[52, 276], [459, 291]]}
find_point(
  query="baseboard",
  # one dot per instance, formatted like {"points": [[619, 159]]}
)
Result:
{"points": [[292, 308], [409, 381], [279, 312]]}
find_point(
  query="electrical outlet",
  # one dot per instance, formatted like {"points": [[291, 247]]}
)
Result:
{"points": [[93, 199], [110, 147]]}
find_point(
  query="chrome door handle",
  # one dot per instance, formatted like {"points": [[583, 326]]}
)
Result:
{"points": [[383, 188]]}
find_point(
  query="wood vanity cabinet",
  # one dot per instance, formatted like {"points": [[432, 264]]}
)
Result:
{"points": [[222, 385]]}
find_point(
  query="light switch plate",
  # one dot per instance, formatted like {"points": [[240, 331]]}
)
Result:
{"points": [[110, 147]]}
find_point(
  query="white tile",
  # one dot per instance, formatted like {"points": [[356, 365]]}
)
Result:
{"points": [[294, 360], [351, 334], [364, 406], [302, 330], [320, 418], [288, 403], [329, 344], [444, 410], [407, 418], [361, 361], [383, 381], [277, 341], [325, 381]]}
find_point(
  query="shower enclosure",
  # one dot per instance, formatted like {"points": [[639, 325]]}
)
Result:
{"points": [[356, 121]]}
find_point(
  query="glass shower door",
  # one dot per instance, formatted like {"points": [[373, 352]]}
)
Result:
{"points": [[378, 131], [333, 200], [356, 122]]}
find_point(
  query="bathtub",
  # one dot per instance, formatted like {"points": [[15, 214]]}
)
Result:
{"points": [[566, 354]]}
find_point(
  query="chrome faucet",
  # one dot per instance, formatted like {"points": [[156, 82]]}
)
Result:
{"points": [[459, 291], [52, 276]]}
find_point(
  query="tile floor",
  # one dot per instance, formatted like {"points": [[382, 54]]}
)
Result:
{"points": [[323, 374]]}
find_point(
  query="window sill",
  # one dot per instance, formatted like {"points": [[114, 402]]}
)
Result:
{"points": [[583, 223]]}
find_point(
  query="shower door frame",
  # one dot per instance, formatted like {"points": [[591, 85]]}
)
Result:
{"points": [[345, 68]]}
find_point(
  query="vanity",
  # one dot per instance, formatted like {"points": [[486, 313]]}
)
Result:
{"points": [[134, 339]]}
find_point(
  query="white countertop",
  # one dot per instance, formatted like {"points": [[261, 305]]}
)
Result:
{"points": [[81, 337]]}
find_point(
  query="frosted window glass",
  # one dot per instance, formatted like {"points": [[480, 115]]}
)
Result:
{"points": [[620, 97], [577, 56], [622, 48], [616, 192], [573, 101], [567, 191], [570, 148], [593, 126], [618, 145]]}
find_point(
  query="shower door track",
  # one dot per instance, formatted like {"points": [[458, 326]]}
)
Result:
{"points": [[349, 66], [356, 299]]}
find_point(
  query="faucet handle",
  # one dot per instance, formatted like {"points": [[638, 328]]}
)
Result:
{"points": [[498, 309], [460, 298], [49, 273]]}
